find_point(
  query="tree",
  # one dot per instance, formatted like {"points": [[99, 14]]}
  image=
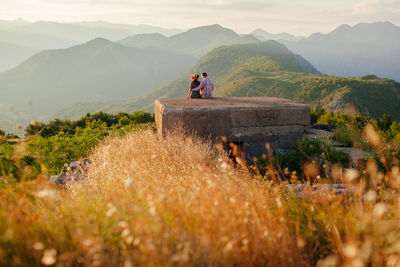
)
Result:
{"points": [[385, 122]]}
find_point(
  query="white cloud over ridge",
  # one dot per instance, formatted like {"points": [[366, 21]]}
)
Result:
{"points": [[298, 17]]}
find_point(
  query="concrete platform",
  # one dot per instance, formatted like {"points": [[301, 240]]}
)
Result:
{"points": [[248, 121]]}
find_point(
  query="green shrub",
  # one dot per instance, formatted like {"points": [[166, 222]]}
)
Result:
{"points": [[61, 141], [70, 127], [62, 148], [343, 135], [8, 167], [318, 151]]}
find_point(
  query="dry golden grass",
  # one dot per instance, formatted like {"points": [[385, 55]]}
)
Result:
{"points": [[177, 201]]}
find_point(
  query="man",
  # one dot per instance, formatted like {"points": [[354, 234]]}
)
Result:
{"points": [[206, 85]]}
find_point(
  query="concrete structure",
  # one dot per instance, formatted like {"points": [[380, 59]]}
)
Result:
{"points": [[249, 121]]}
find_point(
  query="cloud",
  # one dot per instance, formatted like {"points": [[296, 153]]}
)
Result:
{"points": [[373, 7]]}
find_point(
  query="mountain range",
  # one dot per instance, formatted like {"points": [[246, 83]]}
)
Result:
{"points": [[104, 70], [195, 42], [131, 70], [99, 69], [137, 29], [43, 35], [269, 69], [262, 35], [366, 48]]}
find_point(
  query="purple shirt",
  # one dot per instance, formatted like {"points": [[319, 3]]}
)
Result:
{"points": [[208, 87]]}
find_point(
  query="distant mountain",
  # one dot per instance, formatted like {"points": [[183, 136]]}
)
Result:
{"points": [[137, 29], [16, 46], [8, 24], [72, 32], [12, 54], [143, 40], [44, 35], [34, 41], [80, 32], [270, 69], [96, 70], [197, 41], [366, 48], [264, 36]]}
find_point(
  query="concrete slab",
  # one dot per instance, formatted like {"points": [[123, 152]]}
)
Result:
{"points": [[250, 121]]}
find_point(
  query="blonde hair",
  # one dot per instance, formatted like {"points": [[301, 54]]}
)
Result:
{"points": [[194, 77]]}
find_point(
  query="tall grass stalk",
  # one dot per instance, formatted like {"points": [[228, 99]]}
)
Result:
{"points": [[177, 201]]}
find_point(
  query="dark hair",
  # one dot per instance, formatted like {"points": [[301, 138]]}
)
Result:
{"points": [[204, 74], [194, 77]]}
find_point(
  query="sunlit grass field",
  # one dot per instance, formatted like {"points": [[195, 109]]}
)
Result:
{"points": [[177, 200]]}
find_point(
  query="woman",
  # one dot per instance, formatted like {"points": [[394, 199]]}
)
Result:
{"points": [[195, 83]]}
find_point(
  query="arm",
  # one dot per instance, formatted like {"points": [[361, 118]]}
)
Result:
{"points": [[201, 86], [190, 93]]}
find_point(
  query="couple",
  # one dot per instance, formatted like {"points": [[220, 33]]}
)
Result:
{"points": [[203, 89]]}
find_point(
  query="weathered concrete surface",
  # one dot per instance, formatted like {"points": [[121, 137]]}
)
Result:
{"points": [[251, 121]]}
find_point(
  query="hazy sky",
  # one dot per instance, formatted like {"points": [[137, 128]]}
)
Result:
{"points": [[300, 17]]}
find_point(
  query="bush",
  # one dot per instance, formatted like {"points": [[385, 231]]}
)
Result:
{"points": [[317, 151], [344, 135], [12, 136], [8, 167], [62, 148], [57, 126], [61, 141]]}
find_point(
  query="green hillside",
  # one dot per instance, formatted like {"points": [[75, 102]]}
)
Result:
{"points": [[270, 69], [97, 70], [373, 97]]}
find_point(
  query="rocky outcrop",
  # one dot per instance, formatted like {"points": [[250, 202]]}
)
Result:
{"points": [[305, 190], [325, 132], [76, 171]]}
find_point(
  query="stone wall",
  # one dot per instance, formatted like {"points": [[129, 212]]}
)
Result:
{"points": [[249, 121]]}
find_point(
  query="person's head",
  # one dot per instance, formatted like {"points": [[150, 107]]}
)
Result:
{"points": [[204, 75], [194, 77]]}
